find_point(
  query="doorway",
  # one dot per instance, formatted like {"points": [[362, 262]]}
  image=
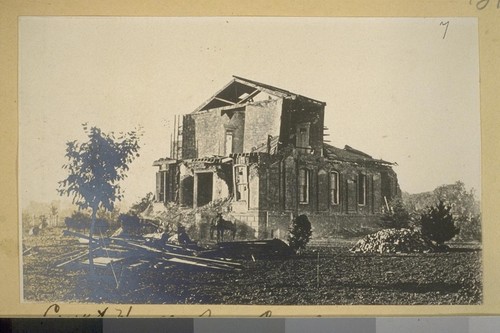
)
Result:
{"points": [[204, 188]]}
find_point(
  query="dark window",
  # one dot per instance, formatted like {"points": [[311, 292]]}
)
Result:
{"points": [[334, 187], [162, 190], [361, 189], [303, 186]]}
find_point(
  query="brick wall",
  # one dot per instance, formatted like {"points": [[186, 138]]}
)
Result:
{"points": [[204, 134], [261, 119]]}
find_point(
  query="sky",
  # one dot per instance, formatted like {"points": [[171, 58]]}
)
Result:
{"points": [[402, 89]]}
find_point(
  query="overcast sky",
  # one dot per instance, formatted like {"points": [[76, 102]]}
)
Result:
{"points": [[405, 90]]}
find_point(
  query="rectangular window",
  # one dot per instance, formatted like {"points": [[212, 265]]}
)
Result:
{"points": [[303, 186], [241, 182], [302, 138], [361, 189], [162, 186], [334, 188], [229, 143]]}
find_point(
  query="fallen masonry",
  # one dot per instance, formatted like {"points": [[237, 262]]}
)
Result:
{"points": [[395, 241]]}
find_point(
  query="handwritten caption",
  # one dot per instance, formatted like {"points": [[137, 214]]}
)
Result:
{"points": [[54, 310], [483, 4]]}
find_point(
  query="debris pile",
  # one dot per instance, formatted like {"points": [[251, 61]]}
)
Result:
{"points": [[117, 249], [394, 241], [259, 249]]}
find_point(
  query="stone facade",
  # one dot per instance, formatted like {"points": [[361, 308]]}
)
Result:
{"points": [[263, 148]]}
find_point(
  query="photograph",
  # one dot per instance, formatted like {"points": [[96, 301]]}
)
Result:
{"points": [[250, 160]]}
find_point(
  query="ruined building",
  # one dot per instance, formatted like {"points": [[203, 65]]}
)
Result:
{"points": [[264, 148]]}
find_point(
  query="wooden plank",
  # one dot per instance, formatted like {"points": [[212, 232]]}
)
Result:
{"points": [[194, 263], [76, 258], [103, 261], [224, 100], [177, 255], [79, 235]]}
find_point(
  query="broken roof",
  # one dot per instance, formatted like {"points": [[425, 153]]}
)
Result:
{"points": [[350, 154], [240, 91]]}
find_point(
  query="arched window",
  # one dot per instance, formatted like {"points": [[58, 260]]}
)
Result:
{"points": [[304, 186]]}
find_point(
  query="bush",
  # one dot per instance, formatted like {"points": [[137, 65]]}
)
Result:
{"points": [[438, 224], [396, 218], [78, 221], [300, 233], [101, 227], [130, 224]]}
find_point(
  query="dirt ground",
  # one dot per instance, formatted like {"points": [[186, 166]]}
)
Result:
{"points": [[338, 277]]}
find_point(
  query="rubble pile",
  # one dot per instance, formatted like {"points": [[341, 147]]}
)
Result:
{"points": [[394, 241]]}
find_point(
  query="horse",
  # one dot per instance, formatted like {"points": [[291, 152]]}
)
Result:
{"points": [[220, 225]]}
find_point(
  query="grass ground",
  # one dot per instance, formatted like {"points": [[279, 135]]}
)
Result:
{"points": [[339, 277]]}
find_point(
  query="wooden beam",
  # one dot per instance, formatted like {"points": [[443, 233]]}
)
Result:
{"points": [[224, 100], [255, 92]]}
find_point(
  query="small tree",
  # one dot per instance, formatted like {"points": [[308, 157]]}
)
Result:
{"points": [[396, 218], [300, 233], [43, 221], [95, 167], [54, 211], [438, 223]]}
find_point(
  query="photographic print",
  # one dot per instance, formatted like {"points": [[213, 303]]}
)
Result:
{"points": [[250, 161]]}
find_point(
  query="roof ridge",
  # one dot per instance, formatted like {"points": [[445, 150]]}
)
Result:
{"points": [[271, 87]]}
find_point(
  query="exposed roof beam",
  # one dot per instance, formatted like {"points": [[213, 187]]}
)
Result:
{"points": [[255, 92], [224, 100]]}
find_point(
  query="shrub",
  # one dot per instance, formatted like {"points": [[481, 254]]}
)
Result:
{"points": [[396, 218], [438, 224], [300, 233], [130, 224], [78, 221]]}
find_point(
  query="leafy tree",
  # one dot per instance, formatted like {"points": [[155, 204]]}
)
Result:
{"points": [[95, 168], [396, 218], [300, 233], [465, 208], [438, 223]]}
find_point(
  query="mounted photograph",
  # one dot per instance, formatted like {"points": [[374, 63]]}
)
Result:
{"points": [[250, 161]]}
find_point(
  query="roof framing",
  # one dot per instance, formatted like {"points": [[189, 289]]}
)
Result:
{"points": [[219, 99]]}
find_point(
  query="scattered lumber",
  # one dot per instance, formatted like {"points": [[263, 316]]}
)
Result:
{"points": [[136, 251], [188, 259], [74, 258]]}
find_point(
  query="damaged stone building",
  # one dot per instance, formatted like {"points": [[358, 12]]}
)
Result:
{"points": [[263, 147]]}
